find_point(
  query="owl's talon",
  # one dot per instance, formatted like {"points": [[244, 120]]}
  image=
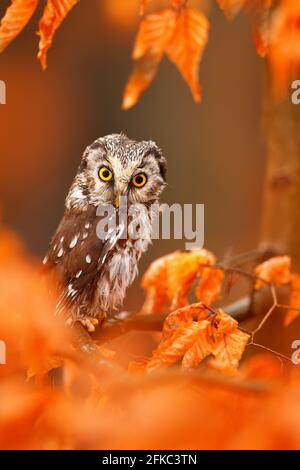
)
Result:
{"points": [[89, 323]]}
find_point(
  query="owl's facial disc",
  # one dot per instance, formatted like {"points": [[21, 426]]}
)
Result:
{"points": [[115, 166]]}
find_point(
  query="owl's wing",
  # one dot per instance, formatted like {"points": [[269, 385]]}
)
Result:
{"points": [[76, 255]]}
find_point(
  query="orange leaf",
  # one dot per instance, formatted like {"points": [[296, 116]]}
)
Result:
{"points": [[178, 3], [294, 300], [227, 342], [49, 363], [153, 35], [264, 366], [54, 13], [143, 4], [174, 348], [231, 7], [209, 288], [284, 46], [229, 350], [192, 334], [140, 78], [169, 279], [182, 316], [15, 19], [276, 270], [187, 45], [261, 12], [199, 350]]}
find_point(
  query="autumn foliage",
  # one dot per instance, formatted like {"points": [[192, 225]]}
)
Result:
{"points": [[19, 13], [55, 396], [179, 32]]}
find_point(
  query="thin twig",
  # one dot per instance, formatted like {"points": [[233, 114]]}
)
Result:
{"points": [[276, 353], [269, 312]]}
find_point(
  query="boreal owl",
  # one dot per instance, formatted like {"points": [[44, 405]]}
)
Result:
{"points": [[93, 272]]}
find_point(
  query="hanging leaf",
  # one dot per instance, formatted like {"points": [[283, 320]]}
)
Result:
{"points": [[179, 32], [187, 45], [54, 13], [141, 77], [153, 35], [231, 7], [261, 12], [284, 46], [15, 19]]}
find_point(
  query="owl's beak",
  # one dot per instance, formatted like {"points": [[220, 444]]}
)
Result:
{"points": [[117, 200]]}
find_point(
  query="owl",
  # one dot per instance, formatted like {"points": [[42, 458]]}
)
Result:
{"points": [[94, 272]]}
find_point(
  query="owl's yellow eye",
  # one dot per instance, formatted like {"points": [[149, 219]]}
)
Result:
{"points": [[139, 180], [105, 174]]}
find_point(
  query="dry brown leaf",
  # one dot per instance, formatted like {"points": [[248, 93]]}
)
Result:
{"points": [[229, 350], [169, 279], [15, 19], [209, 288], [187, 45], [182, 316], [175, 347], [54, 13], [191, 334], [199, 350], [276, 270]]}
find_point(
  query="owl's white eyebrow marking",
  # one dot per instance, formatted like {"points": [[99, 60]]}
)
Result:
{"points": [[73, 241], [88, 259], [78, 274], [60, 253]]}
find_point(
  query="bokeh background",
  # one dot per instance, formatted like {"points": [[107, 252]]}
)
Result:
{"points": [[214, 150]]}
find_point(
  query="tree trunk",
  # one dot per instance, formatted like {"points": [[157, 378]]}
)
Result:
{"points": [[281, 204]]}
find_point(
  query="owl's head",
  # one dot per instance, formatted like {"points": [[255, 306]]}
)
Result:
{"points": [[115, 166]]}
